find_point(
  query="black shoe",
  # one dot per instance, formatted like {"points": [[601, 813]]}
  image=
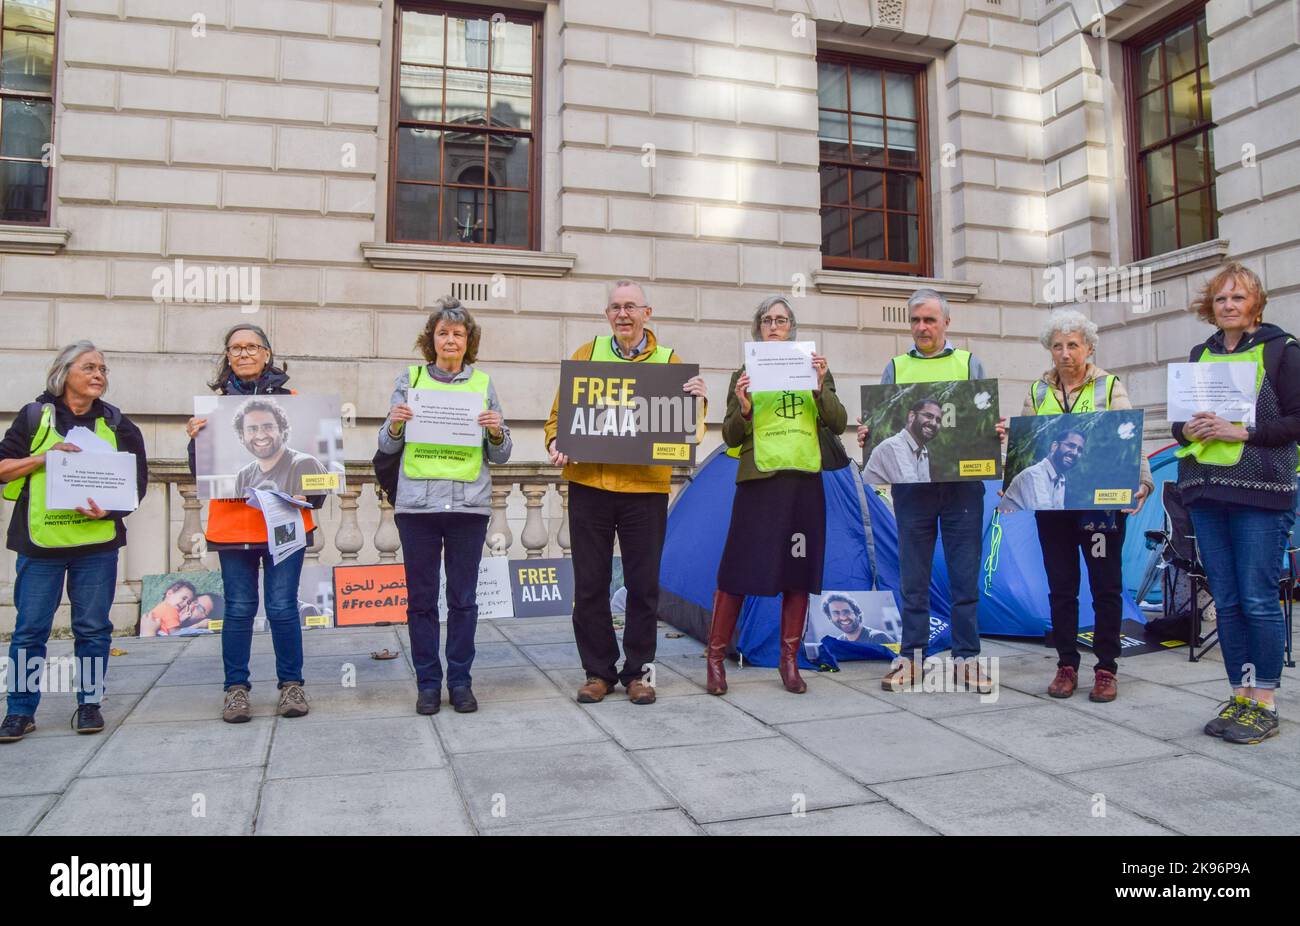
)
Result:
{"points": [[1254, 723], [429, 701], [15, 727], [462, 699], [87, 719]]}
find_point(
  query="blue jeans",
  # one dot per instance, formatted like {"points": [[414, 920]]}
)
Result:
{"points": [[1241, 550], [280, 588], [38, 590], [424, 538], [956, 508]]}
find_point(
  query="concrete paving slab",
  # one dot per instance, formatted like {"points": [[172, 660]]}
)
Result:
{"points": [[1167, 668], [668, 684], [654, 823], [527, 631], [557, 783], [514, 683], [54, 716], [208, 670], [174, 703], [1198, 796], [751, 778], [887, 747], [345, 643], [42, 765], [1015, 801], [879, 819], [400, 803], [208, 646], [145, 651], [1276, 759], [772, 704], [491, 656], [684, 644], [517, 725], [19, 814], [552, 655], [326, 670], [1152, 709], [693, 667], [329, 703], [675, 722], [942, 703], [379, 744], [216, 803], [1057, 739], [141, 749]]}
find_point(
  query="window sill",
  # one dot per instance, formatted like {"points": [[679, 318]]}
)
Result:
{"points": [[32, 239], [1185, 260], [890, 286], [452, 259]]}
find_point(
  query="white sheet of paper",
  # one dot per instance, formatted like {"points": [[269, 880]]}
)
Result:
{"points": [[88, 441], [286, 531], [780, 366], [495, 599], [285, 497], [1227, 389], [108, 478], [443, 416]]}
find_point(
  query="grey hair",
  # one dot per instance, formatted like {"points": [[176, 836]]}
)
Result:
{"points": [[1063, 321], [57, 377], [618, 284], [762, 310], [925, 294]]}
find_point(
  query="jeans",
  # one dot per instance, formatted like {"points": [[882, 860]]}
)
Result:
{"points": [[425, 537], [38, 590], [640, 519], [1061, 538], [280, 590], [956, 508], [1241, 549]]}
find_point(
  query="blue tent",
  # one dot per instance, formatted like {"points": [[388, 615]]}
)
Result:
{"points": [[861, 544]]}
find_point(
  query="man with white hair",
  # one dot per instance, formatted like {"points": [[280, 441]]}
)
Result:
{"points": [[956, 508]]}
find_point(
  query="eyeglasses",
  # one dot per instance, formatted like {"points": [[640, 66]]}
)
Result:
{"points": [[244, 350], [628, 307], [252, 430], [92, 368], [774, 321]]}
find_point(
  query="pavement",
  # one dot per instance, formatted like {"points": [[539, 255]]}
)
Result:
{"points": [[844, 758]]}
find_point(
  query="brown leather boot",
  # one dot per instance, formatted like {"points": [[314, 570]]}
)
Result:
{"points": [[1104, 687], [1063, 685], [726, 611], [794, 611]]}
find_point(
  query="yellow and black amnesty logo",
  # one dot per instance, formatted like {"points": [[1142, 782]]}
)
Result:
{"points": [[977, 468], [1112, 497], [671, 452]]}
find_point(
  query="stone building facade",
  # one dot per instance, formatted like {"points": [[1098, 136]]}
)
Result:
{"points": [[673, 142]]}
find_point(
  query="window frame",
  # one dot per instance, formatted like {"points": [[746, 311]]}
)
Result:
{"points": [[47, 220], [1161, 30], [922, 267], [534, 134]]}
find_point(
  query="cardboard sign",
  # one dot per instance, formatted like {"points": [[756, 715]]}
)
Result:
{"points": [[542, 587], [632, 413], [1073, 462], [369, 594], [932, 432]]}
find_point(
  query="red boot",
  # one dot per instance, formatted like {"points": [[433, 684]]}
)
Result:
{"points": [[794, 611], [726, 611]]}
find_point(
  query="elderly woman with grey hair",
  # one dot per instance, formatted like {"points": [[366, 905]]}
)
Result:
{"points": [[1074, 385], [443, 498], [54, 547], [777, 538]]}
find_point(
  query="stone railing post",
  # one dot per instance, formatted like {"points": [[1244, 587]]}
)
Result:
{"points": [[535, 536], [191, 542], [562, 535], [348, 540], [387, 540]]}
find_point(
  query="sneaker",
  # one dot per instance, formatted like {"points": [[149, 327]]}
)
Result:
{"points": [[1253, 724], [1228, 712], [87, 719], [16, 726], [293, 701], [462, 699], [237, 709]]}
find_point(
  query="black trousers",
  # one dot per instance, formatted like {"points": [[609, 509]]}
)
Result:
{"points": [[1062, 538], [639, 519]]}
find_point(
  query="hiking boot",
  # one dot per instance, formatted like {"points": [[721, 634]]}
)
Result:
{"points": [[428, 701], [595, 690], [293, 701], [972, 677], [1063, 685], [639, 692], [87, 719], [902, 677], [1253, 724], [237, 709], [15, 727], [463, 700], [1228, 712], [1104, 687]]}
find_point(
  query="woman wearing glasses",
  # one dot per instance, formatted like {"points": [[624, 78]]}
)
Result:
{"points": [[237, 532], [777, 537], [77, 547]]}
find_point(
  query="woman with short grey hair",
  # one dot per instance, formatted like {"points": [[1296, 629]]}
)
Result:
{"points": [[1064, 321], [78, 548], [442, 495]]}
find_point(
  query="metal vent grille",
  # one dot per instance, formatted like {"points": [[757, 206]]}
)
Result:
{"points": [[470, 292], [894, 314]]}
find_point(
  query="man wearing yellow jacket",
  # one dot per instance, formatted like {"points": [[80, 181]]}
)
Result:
{"points": [[606, 499]]}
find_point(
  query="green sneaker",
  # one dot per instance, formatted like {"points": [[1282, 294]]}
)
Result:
{"points": [[1254, 724], [1228, 712]]}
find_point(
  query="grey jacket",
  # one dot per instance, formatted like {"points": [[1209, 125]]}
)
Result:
{"points": [[426, 496]]}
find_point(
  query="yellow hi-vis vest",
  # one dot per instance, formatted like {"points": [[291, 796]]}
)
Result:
{"points": [[1089, 400], [602, 349], [1224, 452], [954, 366], [441, 461], [58, 529], [785, 432]]}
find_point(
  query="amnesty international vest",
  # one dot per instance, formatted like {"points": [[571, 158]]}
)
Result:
{"points": [[954, 366], [439, 461], [602, 349], [1222, 452], [1088, 400], [785, 432]]}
